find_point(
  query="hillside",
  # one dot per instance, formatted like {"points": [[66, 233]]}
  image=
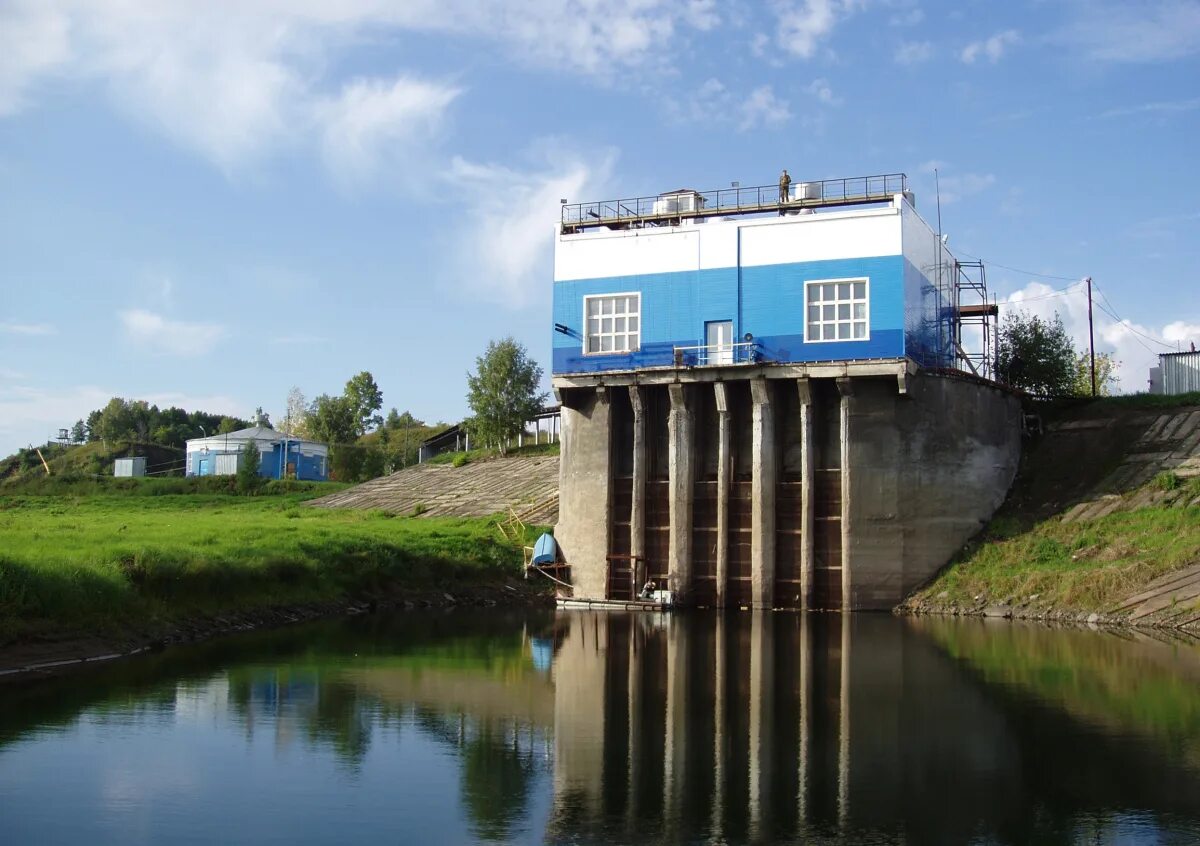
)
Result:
{"points": [[90, 459], [1102, 523], [524, 483]]}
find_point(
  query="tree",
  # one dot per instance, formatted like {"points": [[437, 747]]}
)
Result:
{"points": [[1036, 355], [247, 475], [1106, 376], [365, 399], [296, 416], [333, 420], [78, 432], [503, 393], [229, 424], [261, 418]]}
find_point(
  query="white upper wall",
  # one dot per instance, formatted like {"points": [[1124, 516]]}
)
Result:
{"points": [[921, 246], [601, 253]]}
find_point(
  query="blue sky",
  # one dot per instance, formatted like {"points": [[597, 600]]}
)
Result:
{"points": [[207, 203]]}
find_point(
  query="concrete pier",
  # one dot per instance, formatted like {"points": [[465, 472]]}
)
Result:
{"points": [[852, 483]]}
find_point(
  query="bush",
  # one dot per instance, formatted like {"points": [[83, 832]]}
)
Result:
{"points": [[461, 459]]}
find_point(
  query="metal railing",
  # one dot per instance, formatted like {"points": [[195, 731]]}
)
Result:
{"points": [[658, 209], [715, 355]]}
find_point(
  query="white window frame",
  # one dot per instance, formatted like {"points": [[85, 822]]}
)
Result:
{"points": [[836, 320], [587, 322]]}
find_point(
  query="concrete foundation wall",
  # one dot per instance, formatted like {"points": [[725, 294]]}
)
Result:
{"points": [[584, 489], [927, 469], [920, 462]]}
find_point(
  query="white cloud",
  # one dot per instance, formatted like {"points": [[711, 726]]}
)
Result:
{"points": [[33, 41], [802, 25], [820, 89], [1152, 31], [992, 49], [31, 329], [1131, 344], [910, 16], [504, 246], [1164, 107], [763, 108], [954, 186], [234, 82], [712, 103], [372, 120], [914, 52], [176, 337]]}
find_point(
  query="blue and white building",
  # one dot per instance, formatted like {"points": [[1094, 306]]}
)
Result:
{"points": [[846, 271], [766, 397], [280, 456]]}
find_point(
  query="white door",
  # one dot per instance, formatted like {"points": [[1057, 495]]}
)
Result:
{"points": [[719, 340]]}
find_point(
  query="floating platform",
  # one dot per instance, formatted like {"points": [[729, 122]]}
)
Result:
{"points": [[613, 604]]}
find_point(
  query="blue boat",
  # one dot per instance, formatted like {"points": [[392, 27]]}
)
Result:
{"points": [[544, 551]]}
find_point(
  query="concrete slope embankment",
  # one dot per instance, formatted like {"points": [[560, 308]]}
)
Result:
{"points": [[526, 485], [1102, 524]]}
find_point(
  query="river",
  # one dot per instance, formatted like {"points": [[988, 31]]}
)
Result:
{"points": [[535, 727]]}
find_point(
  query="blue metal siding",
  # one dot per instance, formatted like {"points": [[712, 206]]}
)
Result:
{"points": [[928, 320], [675, 307], [308, 467]]}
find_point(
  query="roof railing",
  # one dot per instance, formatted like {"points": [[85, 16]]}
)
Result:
{"points": [[675, 206]]}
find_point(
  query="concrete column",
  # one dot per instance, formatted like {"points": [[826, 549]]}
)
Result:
{"points": [[584, 484], [681, 426], [637, 518], [844, 729], [636, 728], [724, 485], [846, 389], [806, 492], [762, 515]]}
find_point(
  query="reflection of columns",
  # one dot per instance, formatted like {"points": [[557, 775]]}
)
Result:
{"points": [[637, 516], [762, 514], [762, 719], [720, 743], [806, 493], [844, 728], [846, 389], [682, 475], [724, 482], [636, 730], [805, 714], [675, 750]]}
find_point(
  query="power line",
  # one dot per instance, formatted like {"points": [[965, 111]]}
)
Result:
{"points": [[1019, 270]]}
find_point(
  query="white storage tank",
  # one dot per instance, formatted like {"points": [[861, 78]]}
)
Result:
{"points": [[806, 191], [127, 467]]}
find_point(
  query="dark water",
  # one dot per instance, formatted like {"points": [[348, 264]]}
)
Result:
{"points": [[583, 728]]}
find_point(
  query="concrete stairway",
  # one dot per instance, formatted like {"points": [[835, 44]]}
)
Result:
{"points": [[1170, 442], [528, 485]]}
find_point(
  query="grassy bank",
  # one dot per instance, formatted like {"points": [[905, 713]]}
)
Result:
{"points": [[140, 557], [1076, 567], [1090, 464]]}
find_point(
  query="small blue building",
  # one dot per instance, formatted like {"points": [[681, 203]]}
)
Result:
{"points": [[280, 456]]}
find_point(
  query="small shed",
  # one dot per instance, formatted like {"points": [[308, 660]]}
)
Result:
{"points": [[130, 467], [281, 456]]}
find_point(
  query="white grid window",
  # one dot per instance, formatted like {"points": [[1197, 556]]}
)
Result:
{"points": [[838, 310], [613, 323]]}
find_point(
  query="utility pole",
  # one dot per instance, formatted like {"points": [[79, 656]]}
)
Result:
{"points": [[1091, 337]]}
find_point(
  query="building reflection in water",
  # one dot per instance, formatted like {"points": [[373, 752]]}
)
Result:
{"points": [[762, 727]]}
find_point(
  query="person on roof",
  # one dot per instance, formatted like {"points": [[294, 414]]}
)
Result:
{"points": [[785, 184]]}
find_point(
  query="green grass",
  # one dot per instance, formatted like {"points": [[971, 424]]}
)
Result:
{"points": [[1083, 566], [101, 563], [458, 459]]}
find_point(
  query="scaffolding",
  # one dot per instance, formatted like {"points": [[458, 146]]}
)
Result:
{"points": [[974, 309]]}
